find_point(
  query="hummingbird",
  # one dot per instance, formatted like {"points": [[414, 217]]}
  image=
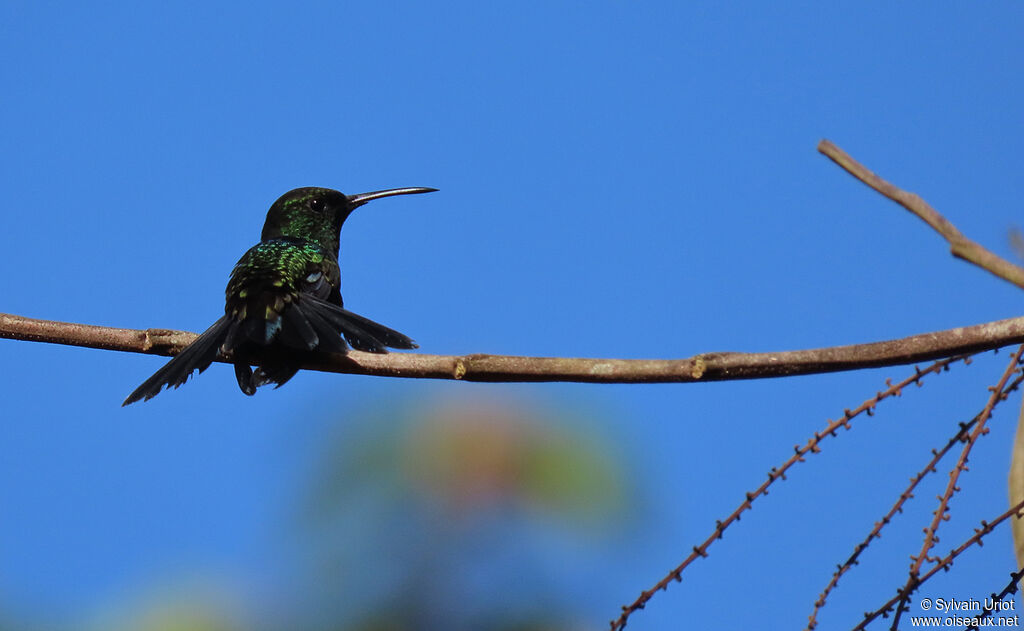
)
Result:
{"points": [[284, 296]]}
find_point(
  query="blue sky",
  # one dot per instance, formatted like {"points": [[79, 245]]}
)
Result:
{"points": [[617, 179]]}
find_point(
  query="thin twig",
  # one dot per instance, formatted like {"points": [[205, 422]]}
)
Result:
{"points": [[944, 563], [799, 453], [1011, 588], [960, 246], [999, 393], [941, 514], [719, 366], [876, 531]]}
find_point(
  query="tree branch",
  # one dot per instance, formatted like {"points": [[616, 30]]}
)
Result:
{"points": [[717, 366], [960, 246]]}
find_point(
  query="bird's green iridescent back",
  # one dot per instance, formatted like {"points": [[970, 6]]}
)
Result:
{"points": [[279, 269]]}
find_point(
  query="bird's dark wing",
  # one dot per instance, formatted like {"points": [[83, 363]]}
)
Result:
{"points": [[196, 356], [285, 291], [362, 333]]}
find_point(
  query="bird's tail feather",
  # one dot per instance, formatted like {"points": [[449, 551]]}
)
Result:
{"points": [[307, 324], [197, 355]]}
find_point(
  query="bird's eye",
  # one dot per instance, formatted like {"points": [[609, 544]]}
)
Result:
{"points": [[316, 204]]}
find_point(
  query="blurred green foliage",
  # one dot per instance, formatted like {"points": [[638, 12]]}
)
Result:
{"points": [[471, 457], [456, 514]]}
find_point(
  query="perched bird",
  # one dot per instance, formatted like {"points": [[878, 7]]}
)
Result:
{"points": [[284, 296]]}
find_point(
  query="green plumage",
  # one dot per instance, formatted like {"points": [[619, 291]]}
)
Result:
{"points": [[278, 269], [284, 296]]}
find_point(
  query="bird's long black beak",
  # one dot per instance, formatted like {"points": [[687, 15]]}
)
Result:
{"points": [[362, 198]]}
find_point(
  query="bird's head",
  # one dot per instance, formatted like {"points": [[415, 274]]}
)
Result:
{"points": [[316, 214]]}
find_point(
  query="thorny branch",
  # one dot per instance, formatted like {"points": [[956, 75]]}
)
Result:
{"points": [[999, 393], [799, 452], [945, 562], [876, 531], [1011, 588], [719, 366]]}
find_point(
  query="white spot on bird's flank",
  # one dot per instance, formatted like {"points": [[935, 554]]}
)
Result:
{"points": [[313, 277]]}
